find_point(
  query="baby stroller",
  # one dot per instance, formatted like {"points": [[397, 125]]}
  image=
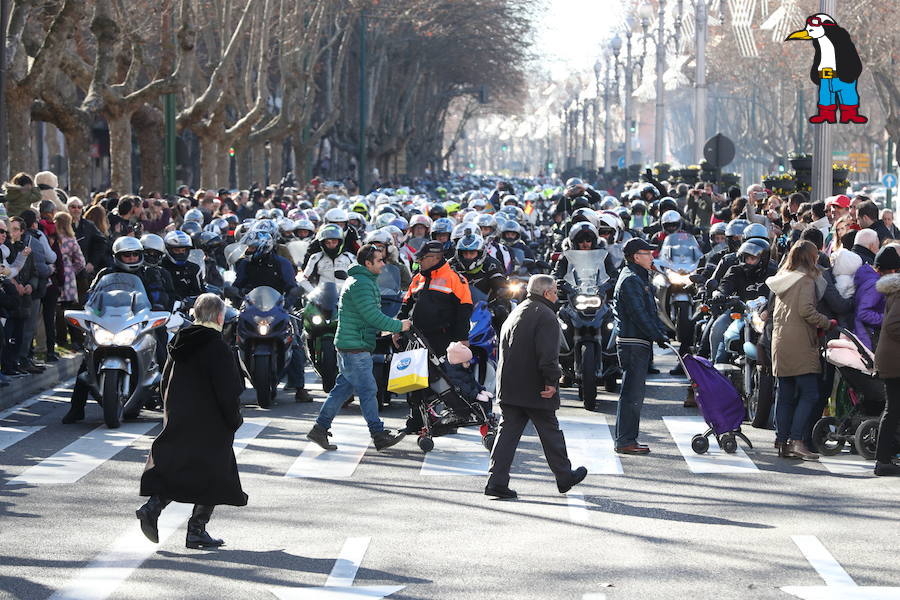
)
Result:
{"points": [[719, 403], [441, 397], [857, 423]]}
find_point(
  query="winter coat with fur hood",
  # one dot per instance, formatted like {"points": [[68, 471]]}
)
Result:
{"points": [[795, 342], [887, 354]]}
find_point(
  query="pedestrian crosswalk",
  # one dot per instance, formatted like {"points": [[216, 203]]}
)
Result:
{"points": [[589, 439]]}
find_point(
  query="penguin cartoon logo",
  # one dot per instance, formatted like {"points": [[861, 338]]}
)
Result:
{"points": [[835, 69]]}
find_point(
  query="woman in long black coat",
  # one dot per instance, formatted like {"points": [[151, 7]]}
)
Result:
{"points": [[192, 460]]}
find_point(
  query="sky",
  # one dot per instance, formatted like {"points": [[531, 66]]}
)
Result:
{"points": [[571, 33]]}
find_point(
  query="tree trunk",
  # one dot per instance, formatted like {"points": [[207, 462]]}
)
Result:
{"points": [[148, 125], [78, 143], [21, 148], [209, 161], [120, 153], [223, 169], [244, 176], [276, 160], [258, 164]]}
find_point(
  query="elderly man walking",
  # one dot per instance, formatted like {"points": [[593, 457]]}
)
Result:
{"points": [[527, 378], [192, 460], [359, 319]]}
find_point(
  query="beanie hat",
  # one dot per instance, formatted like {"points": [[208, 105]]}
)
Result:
{"points": [[46, 180], [887, 258], [458, 353]]}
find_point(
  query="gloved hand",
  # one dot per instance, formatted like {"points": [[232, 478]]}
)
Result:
{"points": [[663, 343], [832, 324], [484, 396]]}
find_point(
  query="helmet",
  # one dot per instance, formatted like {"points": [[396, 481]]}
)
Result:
{"points": [[232, 220], [423, 220], [624, 215], [437, 212], [758, 248], [384, 219], [733, 231], [379, 236], [717, 229], [510, 233], [276, 213], [581, 202], [464, 229], [313, 216], [385, 209], [286, 227], [195, 215], [330, 231], [510, 200], [451, 207], [355, 220], [755, 230], [478, 204], [470, 242], [670, 221], [442, 225], [610, 224], [761, 243], [128, 245], [178, 246], [304, 225], [638, 207], [154, 248], [361, 209], [583, 215], [665, 205], [649, 188], [487, 220], [336, 215], [573, 182], [400, 223], [583, 231], [395, 233], [609, 203], [218, 225], [260, 242], [191, 227], [262, 213], [209, 241]]}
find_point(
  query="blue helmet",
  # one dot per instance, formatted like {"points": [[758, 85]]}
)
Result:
{"points": [[469, 243], [261, 242], [178, 246]]}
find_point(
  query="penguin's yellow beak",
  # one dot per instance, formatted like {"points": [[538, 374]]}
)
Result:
{"points": [[799, 35]]}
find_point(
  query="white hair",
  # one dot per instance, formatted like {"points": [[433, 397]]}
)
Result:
{"points": [[208, 308], [539, 284], [866, 238]]}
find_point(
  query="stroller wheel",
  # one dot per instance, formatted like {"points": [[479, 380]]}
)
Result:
{"points": [[488, 441], [699, 443], [866, 438], [825, 437], [426, 444], [728, 443]]}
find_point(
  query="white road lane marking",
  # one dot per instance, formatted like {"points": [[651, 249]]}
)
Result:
{"points": [[16, 433], [715, 460], [458, 454], [64, 387], [352, 437], [339, 585], [578, 509], [590, 443], [83, 455], [847, 464], [838, 583], [594, 596], [103, 575]]}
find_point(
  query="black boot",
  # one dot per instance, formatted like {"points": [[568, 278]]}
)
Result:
{"points": [[384, 439], [301, 395], [79, 399], [148, 515], [197, 536], [319, 435]]}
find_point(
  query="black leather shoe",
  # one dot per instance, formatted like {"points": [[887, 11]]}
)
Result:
{"points": [[887, 469], [652, 371], [385, 440], [319, 435], [301, 395], [197, 537], [575, 477], [504, 493], [52, 357], [677, 371], [30, 368], [148, 515]]}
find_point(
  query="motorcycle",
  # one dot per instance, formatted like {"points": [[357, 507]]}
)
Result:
{"points": [[679, 257], [265, 332], [587, 324], [320, 324], [120, 345]]}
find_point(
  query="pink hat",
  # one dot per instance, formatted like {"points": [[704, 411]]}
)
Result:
{"points": [[458, 353]]}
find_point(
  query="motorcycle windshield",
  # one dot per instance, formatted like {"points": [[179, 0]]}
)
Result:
{"points": [[325, 296], [389, 280], [234, 252], [680, 252], [118, 294], [264, 298], [587, 270], [297, 250]]}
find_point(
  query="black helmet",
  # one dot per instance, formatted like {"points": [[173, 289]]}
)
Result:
{"points": [[758, 248], [193, 229], [210, 241], [581, 202], [665, 205], [649, 188], [734, 231], [755, 230]]}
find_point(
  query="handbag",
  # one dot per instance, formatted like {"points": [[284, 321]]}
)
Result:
{"points": [[409, 371]]}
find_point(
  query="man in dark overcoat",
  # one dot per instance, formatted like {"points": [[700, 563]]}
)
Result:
{"points": [[527, 377], [192, 460]]}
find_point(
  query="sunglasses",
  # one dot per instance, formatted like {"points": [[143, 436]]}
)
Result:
{"points": [[3, 231]]}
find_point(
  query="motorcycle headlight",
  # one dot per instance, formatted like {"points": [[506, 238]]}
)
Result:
{"points": [[659, 280], [585, 302], [104, 337], [263, 325], [317, 320], [515, 287], [679, 278]]}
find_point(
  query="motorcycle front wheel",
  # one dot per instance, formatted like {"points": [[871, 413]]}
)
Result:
{"points": [[684, 326], [262, 381], [328, 364], [588, 388], [112, 402]]}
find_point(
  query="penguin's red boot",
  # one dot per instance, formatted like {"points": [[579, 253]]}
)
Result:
{"points": [[849, 114], [827, 114]]}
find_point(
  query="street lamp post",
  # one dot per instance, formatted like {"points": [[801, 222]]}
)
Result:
{"points": [[700, 91], [629, 23], [4, 135], [659, 121], [822, 142], [597, 67], [363, 108]]}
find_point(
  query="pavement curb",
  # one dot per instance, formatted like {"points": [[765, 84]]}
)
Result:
{"points": [[23, 388]]}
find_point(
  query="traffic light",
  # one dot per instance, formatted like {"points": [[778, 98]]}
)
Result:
{"points": [[504, 147], [550, 166], [632, 127], [471, 165], [231, 152], [781, 165]]}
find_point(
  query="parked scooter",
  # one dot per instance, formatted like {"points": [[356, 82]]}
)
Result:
{"points": [[265, 333], [320, 324], [120, 346]]}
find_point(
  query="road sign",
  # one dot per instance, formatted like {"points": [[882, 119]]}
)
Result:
{"points": [[621, 162], [718, 151], [889, 180]]}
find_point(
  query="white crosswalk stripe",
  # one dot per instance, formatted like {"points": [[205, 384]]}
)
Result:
{"points": [[590, 443], [351, 435], [847, 464], [83, 455], [715, 460], [458, 454], [16, 433]]}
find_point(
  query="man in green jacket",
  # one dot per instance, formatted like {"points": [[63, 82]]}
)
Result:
{"points": [[359, 320]]}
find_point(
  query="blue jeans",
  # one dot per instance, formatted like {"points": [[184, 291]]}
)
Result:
{"points": [[634, 359], [354, 376], [834, 91], [797, 399], [717, 337]]}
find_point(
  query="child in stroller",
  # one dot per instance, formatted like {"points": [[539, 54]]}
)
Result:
{"points": [[456, 365]]}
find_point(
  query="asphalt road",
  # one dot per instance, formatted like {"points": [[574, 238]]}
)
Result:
{"points": [[667, 525]]}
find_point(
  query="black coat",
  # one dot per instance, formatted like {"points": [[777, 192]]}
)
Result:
{"points": [[529, 355], [192, 460]]}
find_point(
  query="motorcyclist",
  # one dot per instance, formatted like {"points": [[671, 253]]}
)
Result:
{"points": [[395, 274], [212, 245], [441, 230], [670, 222], [583, 236], [331, 263], [487, 224], [511, 237], [485, 273], [185, 273], [339, 217], [734, 231], [128, 257]]}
